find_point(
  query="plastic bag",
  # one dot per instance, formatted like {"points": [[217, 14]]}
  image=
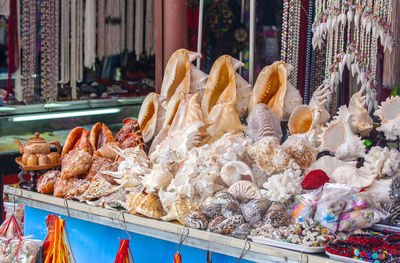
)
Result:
{"points": [[306, 205], [359, 201], [19, 250], [359, 219], [17, 211], [331, 204]]}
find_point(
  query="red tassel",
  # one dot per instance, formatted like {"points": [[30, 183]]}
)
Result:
{"points": [[177, 258]]}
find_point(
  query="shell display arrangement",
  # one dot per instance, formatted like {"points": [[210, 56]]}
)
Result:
{"points": [[209, 152]]}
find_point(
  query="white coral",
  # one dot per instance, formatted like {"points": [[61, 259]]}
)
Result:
{"points": [[280, 187], [383, 161]]}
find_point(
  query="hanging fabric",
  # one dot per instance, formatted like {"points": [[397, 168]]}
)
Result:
{"points": [[113, 31], [139, 27], [130, 25], [90, 34], [65, 50], [13, 48], [122, 9], [101, 20], [5, 7], [149, 32], [18, 85]]}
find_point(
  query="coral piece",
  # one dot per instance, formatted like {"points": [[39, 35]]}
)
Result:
{"points": [[300, 150], [281, 187], [270, 87], [262, 122], [270, 157], [383, 161], [221, 83], [148, 116], [235, 171], [75, 163], [277, 216], [180, 209], [243, 190], [133, 199], [254, 210], [150, 206], [46, 181], [300, 120], [362, 123], [78, 138], [100, 135], [314, 180], [389, 113], [319, 99], [350, 175], [292, 100], [130, 134], [196, 220], [338, 137]]}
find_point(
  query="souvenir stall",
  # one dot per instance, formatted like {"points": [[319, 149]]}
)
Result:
{"points": [[217, 168]]}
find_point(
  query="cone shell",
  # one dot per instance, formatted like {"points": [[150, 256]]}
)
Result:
{"points": [[242, 190], [150, 206], [148, 116], [300, 120], [133, 199], [270, 88]]}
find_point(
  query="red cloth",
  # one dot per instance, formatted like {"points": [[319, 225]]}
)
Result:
{"points": [[13, 48]]}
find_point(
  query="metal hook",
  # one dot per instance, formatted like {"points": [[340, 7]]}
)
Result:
{"points": [[181, 239], [246, 242], [66, 207], [124, 224], [301, 257]]}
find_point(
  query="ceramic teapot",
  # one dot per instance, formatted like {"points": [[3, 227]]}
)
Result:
{"points": [[37, 145]]}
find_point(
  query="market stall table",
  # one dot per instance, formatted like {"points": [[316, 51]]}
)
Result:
{"points": [[95, 231]]}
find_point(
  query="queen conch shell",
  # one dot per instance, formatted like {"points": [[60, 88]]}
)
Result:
{"points": [[243, 89], [243, 190], [362, 123], [198, 80], [292, 100], [180, 209], [270, 88], [150, 206], [319, 99], [389, 113], [234, 171], [262, 122], [221, 83], [338, 137], [151, 116], [177, 79]]}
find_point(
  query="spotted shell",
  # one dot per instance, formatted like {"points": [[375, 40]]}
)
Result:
{"points": [[230, 209], [75, 162], [277, 216], [133, 199], [227, 226], [196, 220], [243, 190], [254, 210], [242, 231], [150, 206], [389, 113], [212, 210], [300, 120], [223, 198], [213, 224]]}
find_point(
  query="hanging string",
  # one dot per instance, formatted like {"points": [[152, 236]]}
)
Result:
{"points": [[101, 23], [309, 71], [74, 43], [139, 26], [90, 34], [123, 25], [149, 31], [130, 25], [18, 84]]}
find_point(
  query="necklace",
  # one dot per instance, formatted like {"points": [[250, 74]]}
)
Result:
{"points": [[65, 30], [90, 34]]}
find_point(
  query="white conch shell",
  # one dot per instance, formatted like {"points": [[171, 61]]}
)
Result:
{"points": [[292, 100], [151, 116], [380, 190], [328, 164], [243, 89], [383, 161], [198, 80], [389, 113], [160, 177], [350, 175], [235, 171], [262, 122], [338, 137], [281, 187], [319, 99], [163, 133], [362, 123], [243, 190]]}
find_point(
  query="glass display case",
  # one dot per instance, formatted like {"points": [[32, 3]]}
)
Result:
{"points": [[55, 120]]}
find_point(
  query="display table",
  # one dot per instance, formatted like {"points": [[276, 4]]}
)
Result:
{"points": [[94, 232]]}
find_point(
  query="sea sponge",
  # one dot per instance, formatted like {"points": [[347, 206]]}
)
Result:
{"points": [[314, 180]]}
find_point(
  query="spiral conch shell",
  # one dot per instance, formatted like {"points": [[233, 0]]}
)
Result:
{"points": [[389, 113], [150, 115], [362, 123], [243, 190], [198, 80], [262, 122], [150, 206], [221, 83], [270, 87], [234, 171]]}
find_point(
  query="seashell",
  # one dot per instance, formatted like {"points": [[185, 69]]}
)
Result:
{"points": [[254, 210], [262, 122], [300, 120], [350, 175], [270, 87], [196, 220], [230, 209], [382, 161], [133, 199], [292, 100], [222, 198], [389, 113], [150, 206], [198, 80], [212, 210], [277, 216], [172, 108], [148, 116], [180, 209], [75, 162], [339, 138], [106, 151], [243, 190], [98, 187], [78, 137], [301, 150], [235, 171], [112, 201], [328, 164], [362, 123], [130, 135], [158, 139], [319, 99], [243, 89], [227, 226], [100, 135], [214, 224], [221, 83], [243, 231], [160, 177], [281, 187]]}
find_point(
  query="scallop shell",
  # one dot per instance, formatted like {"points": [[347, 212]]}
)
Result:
{"points": [[362, 123], [180, 209], [243, 190], [292, 100], [270, 88], [230, 209], [339, 138], [133, 199], [235, 171], [300, 120], [262, 122], [150, 206], [148, 116], [319, 99], [243, 89], [221, 83], [254, 210], [196, 220], [389, 113]]}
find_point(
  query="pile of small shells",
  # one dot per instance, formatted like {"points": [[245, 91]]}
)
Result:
{"points": [[304, 233]]}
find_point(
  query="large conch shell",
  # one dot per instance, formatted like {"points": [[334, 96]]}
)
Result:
{"points": [[389, 113], [151, 115], [300, 120], [78, 138], [243, 89], [338, 137], [292, 100], [150, 206], [100, 135], [362, 123], [262, 122], [221, 83], [270, 87], [198, 80], [319, 99]]}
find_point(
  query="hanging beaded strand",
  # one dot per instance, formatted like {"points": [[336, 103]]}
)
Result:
{"points": [[284, 39]]}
